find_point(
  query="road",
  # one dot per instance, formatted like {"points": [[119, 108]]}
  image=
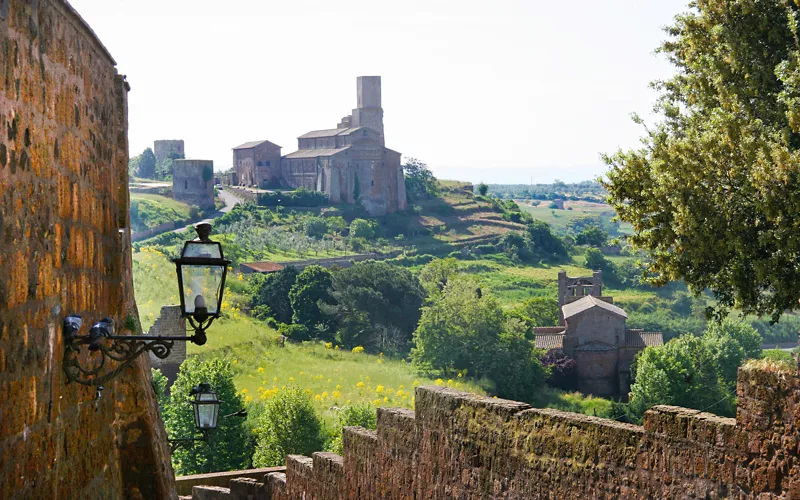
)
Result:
{"points": [[230, 200]]}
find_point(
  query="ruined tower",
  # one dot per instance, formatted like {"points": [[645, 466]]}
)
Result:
{"points": [[369, 112]]}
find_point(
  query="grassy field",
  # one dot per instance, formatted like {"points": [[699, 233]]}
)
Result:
{"points": [[150, 210], [332, 377], [559, 219]]}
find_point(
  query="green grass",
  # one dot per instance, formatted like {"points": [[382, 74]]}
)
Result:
{"points": [[559, 219], [150, 210]]}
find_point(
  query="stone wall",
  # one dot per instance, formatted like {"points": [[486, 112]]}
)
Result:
{"points": [[166, 147], [458, 445], [193, 182], [169, 322], [64, 231]]}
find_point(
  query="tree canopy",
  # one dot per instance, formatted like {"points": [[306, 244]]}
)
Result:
{"points": [[714, 194], [420, 182]]}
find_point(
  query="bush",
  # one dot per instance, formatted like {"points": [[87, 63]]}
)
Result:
{"points": [[563, 370], [361, 228], [299, 198], [315, 227], [231, 446], [361, 415], [288, 425], [483, 189], [298, 333]]}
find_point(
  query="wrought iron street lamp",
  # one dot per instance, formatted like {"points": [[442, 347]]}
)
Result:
{"points": [[201, 269], [206, 412]]}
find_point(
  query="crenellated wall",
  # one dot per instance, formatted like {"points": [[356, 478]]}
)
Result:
{"points": [[459, 445]]}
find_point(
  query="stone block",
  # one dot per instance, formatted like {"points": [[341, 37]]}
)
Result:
{"points": [[211, 493]]}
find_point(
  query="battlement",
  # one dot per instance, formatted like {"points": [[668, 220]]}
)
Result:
{"points": [[460, 445]]}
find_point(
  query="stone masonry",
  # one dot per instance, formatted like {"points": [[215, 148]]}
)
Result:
{"points": [[169, 322], [459, 445], [64, 232], [166, 148], [193, 182]]}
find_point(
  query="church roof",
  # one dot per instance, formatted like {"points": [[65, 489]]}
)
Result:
{"points": [[314, 153], [639, 338], [252, 144], [590, 302], [331, 132], [550, 341]]}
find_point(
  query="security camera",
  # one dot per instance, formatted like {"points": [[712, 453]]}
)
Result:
{"points": [[72, 325]]}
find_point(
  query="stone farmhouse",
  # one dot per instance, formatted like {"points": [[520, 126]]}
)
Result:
{"points": [[349, 163], [592, 331]]}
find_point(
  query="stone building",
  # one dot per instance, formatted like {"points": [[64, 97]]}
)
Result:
{"points": [[349, 163], [258, 163], [167, 148], [169, 322], [65, 226], [592, 331], [193, 182]]}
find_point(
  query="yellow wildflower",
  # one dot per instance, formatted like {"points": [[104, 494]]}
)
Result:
{"points": [[379, 389]]}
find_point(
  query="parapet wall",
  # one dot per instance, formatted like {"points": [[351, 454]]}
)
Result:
{"points": [[458, 445]]}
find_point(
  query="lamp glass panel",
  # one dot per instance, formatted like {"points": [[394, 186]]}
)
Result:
{"points": [[202, 280], [201, 249], [206, 413]]}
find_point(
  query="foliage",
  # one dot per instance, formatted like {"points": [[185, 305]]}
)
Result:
{"points": [[695, 372], [361, 415], [543, 243], [376, 305], [483, 189], [160, 383], [311, 286], [595, 260], [301, 197], [269, 294], [316, 227], [435, 275], [780, 356], [538, 311], [288, 425], [593, 236], [230, 446], [361, 228], [156, 210], [147, 164], [584, 190], [563, 370], [298, 333], [713, 194], [420, 182], [465, 329]]}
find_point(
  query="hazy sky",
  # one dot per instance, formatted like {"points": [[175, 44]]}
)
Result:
{"points": [[494, 91]]}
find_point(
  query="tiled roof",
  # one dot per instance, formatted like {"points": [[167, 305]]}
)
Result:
{"points": [[251, 144], [313, 153], [263, 267], [590, 302], [639, 338], [331, 132], [550, 341]]}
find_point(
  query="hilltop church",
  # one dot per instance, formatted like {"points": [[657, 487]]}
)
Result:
{"points": [[592, 331], [350, 163]]}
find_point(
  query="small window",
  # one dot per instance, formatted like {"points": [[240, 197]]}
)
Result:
{"points": [[259, 164], [372, 183], [185, 184], [364, 132], [268, 163]]}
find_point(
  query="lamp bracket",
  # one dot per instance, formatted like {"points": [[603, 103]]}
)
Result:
{"points": [[177, 443]]}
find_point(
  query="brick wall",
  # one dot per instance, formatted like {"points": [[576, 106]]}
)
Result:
{"points": [[458, 445], [66, 249]]}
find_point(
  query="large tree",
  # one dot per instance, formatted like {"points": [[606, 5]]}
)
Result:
{"points": [[714, 194], [376, 305], [147, 164], [420, 182]]}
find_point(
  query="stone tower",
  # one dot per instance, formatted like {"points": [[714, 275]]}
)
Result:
{"points": [[369, 112]]}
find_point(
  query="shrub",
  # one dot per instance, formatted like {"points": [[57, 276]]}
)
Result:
{"points": [[362, 415], [361, 228], [298, 333], [563, 370], [288, 425]]}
